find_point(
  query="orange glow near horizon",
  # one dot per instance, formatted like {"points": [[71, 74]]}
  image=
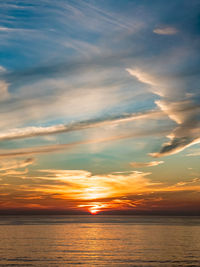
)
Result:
{"points": [[82, 191]]}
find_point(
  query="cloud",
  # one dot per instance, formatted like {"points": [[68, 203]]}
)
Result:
{"points": [[111, 18], [185, 114], [165, 31], [7, 153], [82, 190], [10, 168], [83, 185], [164, 86], [178, 106], [80, 96], [36, 150], [9, 32], [6, 29], [83, 48], [193, 153], [74, 66], [175, 146], [145, 164], [13, 164], [54, 148], [77, 126], [2, 69], [185, 183], [143, 76], [3, 90]]}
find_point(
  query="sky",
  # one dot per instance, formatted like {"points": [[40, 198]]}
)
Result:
{"points": [[100, 106]]}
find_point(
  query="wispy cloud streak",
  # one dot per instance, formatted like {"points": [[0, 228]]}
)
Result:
{"points": [[55, 148], [77, 126], [145, 164], [165, 30]]}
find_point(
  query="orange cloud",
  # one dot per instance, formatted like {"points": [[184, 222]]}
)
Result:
{"points": [[81, 190]]}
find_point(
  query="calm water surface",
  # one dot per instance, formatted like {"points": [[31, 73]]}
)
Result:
{"points": [[99, 241]]}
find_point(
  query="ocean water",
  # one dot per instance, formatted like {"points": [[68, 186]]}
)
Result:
{"points": [[99, 241]]}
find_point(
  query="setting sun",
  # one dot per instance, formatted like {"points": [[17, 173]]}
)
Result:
{"points": [[93, 211], [95, 208]]}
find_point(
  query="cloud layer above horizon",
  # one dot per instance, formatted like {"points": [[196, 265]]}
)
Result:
{"points": [[99, 88]]}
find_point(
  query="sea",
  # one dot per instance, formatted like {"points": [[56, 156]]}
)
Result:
{"points": [[97, 240]]}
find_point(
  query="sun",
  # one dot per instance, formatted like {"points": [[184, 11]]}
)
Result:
{"points": [[94, 210]]}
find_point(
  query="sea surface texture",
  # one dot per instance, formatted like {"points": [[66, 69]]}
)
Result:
{"points": [[99, 241]]}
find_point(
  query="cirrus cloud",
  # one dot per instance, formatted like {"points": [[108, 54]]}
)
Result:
{"points": [[165, 30], [145, 164]]}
